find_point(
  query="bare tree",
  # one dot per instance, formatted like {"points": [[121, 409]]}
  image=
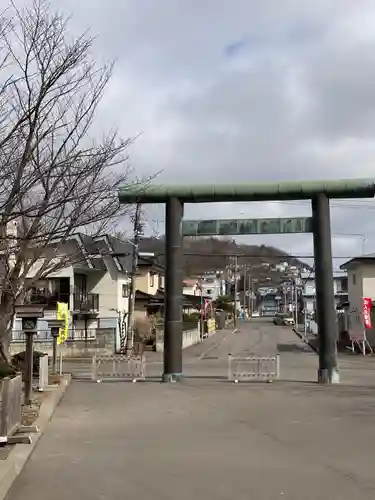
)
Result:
{"points": [[55, 178]]}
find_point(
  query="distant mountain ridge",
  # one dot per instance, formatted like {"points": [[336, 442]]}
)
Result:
{"points": [[213, 254]]}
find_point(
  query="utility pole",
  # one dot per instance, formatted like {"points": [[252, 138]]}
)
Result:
{"points": [[250, 297], [137, 231], [244, 288], [285, 300], [235, 291]]}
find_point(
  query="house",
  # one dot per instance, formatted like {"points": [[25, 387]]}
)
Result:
{"points": [[212, 285], [191, 286], [340, 288], [150, 275], [361, 284], [149, 284], [95, 284]]}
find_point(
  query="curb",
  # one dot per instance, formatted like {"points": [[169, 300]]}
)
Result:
{"points": [[20, 454], [306, 341]]}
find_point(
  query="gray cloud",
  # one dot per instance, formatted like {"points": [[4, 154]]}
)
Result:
{"points": [[292, 99]]}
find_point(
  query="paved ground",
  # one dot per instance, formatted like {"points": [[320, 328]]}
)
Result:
{"points": [[208, 439]]}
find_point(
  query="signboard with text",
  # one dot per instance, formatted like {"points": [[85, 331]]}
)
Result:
{"points": [[233, 227], [367, 305]]}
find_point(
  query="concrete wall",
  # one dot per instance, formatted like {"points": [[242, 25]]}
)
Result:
{"points": [[103, 344], [189, 338]]}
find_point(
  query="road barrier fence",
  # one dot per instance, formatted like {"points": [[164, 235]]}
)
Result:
{"points": [[247, 368], [118, 366]]}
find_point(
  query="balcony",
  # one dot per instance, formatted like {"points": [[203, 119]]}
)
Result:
{"points": [[88, 302], [48, 300]]}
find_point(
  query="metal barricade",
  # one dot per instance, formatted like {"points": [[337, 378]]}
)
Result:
{"points": [[253, 368], [117, 366]]}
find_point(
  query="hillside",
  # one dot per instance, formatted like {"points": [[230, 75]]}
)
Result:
{"points": [[213, 254]]}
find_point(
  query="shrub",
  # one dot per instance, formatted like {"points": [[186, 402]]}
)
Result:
{"points": [[6, 370], [143, 330], [18, 361], [191, 318], [225, 303]]}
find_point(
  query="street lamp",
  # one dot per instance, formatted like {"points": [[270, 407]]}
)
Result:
{"points": [[54, 325], [29, 313]]}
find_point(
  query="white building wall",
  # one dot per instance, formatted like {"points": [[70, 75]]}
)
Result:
{"points": [[368, 277], [105, 284], [211, 288], [190, 290], [122, 302], [361, 284], [355, 295]]}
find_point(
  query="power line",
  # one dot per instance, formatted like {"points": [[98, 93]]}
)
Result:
{"points": [[273, 256], [364, 206]]}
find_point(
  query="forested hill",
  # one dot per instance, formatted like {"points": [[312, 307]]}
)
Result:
{"points": [[213, 254]]}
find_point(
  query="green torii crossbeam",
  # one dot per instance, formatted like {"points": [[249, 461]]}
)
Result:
{"points": [[248, 191]]}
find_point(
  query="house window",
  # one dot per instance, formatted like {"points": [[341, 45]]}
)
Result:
{"points": [[354, 279], [80, 284], [125, 290], [152, 279], [342, 285]]}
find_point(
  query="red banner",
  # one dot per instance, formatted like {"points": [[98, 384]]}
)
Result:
{"points": [[367, 305]]}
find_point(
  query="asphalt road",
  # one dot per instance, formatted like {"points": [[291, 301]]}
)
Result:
{"points": [[209, 439], [210, 358]]}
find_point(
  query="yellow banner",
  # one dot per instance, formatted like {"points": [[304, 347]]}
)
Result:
{"points": [[63, 314], [211, 326]]}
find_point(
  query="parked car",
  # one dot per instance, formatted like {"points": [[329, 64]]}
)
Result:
{"points": [[255, 314], [283, 319]]}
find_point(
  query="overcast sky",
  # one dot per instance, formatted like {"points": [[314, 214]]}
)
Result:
{"points": [[241, 90]]}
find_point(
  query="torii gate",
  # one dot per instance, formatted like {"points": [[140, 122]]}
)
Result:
{"points": [[319, 192]]}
